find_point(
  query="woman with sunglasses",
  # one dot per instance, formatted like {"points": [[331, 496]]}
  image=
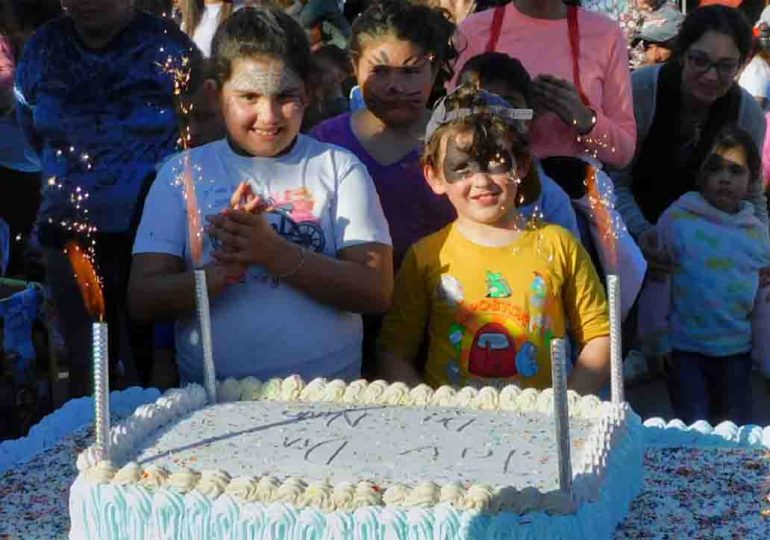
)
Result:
{"points": [[680, 106]]}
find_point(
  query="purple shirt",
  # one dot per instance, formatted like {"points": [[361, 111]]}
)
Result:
{"points": [[411, 208]]}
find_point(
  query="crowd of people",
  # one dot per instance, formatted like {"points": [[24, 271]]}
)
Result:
{"points": [[399, 189]]}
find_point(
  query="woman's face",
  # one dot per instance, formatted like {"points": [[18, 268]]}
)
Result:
{"points": [[710, 66], [396, 77]]}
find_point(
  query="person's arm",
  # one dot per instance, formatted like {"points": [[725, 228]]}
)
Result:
{"points": [[403, 328], [586, 308], [359, 280], [358, 277], [161, 284], [752, 119], [613, 137], [160, 287], [592, 369], [644, 89], [393, 368]]}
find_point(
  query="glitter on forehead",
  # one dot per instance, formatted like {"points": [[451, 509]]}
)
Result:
{"points": [[272, 80]]}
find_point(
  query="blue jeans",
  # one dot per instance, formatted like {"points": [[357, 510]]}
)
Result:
{"points": [[710, 388]]}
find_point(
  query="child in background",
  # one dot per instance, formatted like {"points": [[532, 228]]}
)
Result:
{"points": [[702, 311], [304, 250], [399, 49], [200, 19], [491, 289], [330, 99], [500, 74]]}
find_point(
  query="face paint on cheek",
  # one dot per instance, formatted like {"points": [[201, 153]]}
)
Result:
{"points": [[274, 80]]}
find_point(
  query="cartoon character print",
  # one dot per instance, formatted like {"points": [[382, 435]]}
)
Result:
{"points": [[493, 352], [292, 217], [538, 295], [492, 337], [498, 287]]}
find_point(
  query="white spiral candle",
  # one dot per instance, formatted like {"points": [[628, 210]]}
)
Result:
{"points": [[101, 360], [204, 320], [616, 341], [561, 413]]}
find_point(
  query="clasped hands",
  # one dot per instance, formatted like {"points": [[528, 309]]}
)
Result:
{"points": [[552, 94], [245, 236]]}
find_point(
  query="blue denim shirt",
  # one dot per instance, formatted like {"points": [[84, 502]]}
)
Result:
{"points": [[100, 119]]}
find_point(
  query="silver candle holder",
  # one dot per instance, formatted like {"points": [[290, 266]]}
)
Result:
{"points": [[204, 320], [561, 413], [101, 371], [616, 340]]}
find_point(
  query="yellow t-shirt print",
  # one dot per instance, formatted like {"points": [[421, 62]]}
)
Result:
{"points": [[496, 342], [490, 312]]}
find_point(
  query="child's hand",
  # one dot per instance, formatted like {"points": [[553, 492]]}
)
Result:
{"points": [[244, 198], [225, 273], [247, 237]]}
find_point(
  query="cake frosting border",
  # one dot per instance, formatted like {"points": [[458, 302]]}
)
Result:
{"points": [[166, 513], [588, 476], [73, 415]]}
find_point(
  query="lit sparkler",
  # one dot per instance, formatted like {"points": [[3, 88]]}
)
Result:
{"points": [[90, 285]]}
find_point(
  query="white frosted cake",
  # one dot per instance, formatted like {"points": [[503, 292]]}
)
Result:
{"points": [[282, 460]]}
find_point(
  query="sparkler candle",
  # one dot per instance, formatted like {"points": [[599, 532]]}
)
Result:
{"points": [[181, 73], [195, 238], [91, 290], [561, 413], [616, 342], [204, 322]]}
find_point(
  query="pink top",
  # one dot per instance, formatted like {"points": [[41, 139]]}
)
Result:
{"points": [[7, 68], [542, 46]]}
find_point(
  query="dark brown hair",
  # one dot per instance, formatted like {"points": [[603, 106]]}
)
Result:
{"points": [[715, 18], [429, 28], [734, 137], [261, 31], [489, 132]]}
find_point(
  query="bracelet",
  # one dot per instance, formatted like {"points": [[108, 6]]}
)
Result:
{"points": [[297, 268]]}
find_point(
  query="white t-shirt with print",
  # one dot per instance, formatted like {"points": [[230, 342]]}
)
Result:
{"points": [[755, 79], [325, 200]]}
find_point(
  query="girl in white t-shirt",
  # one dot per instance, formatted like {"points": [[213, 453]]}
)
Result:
{"points": [[200, 19], [298, 245], [755, 78]]}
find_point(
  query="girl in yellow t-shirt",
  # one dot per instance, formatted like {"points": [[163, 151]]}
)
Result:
{"points": [[491, 290]]}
